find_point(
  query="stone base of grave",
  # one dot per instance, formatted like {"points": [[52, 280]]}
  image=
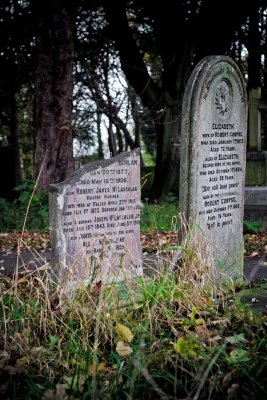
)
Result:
{"points": [[256, 205]]}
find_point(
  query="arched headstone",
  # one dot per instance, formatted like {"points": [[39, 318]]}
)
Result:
{"points": [[213, 158]]}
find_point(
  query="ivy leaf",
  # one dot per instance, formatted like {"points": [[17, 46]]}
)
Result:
{"points": [[236, 339], [239, 356]]}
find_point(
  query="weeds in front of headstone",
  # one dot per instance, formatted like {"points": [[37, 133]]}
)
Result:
{"points": [[158, 215], [170, 335]]}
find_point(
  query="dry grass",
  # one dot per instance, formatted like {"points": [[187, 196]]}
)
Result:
{"points": [[169, 335]]}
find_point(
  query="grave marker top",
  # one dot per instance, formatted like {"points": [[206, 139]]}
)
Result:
{"points": [[213, 158], [95, 221]]}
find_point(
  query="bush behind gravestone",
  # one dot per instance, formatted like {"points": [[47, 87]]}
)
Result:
{"points": [[13, 214]]}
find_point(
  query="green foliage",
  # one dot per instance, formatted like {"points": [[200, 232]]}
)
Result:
{"points": [[251, 226], [161, 216], [12, 215], [6, 216], [152, 338]]}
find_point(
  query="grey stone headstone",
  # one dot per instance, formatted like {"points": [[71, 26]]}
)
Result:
{"points": [[213, 159], [256, 205], [95, 221]]}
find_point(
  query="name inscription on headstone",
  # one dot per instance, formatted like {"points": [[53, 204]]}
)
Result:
{"points": [[213, 157], [221, 174], [97, 226]]}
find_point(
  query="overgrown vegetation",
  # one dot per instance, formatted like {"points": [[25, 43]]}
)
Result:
{"points": [[12, 214], [160, 216], [168, 336], [252, 226]]}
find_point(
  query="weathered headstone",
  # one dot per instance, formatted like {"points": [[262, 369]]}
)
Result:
{"points": [[213, 159], [256, 205], [95, 221]]}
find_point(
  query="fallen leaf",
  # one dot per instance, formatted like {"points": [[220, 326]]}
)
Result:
{"points": [[124, 333], [97, 368], [22, 361], [203, 332], [254, 254], [232, 391], [236, 339], [200, 321], [123, 349], [239, 355], [36, 350]]}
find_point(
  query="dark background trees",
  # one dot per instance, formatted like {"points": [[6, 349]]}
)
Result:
{"points": [[111, 76], [53, 153]]}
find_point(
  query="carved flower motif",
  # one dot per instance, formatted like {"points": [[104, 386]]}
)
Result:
{"points": [[223, 100]]}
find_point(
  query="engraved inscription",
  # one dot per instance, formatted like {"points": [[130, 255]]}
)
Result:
{"points": [[222, 172], [100, 219], [104, 206], [213, 160]]}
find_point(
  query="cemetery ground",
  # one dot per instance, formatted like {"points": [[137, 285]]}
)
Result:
{"points": [[165, 336]]}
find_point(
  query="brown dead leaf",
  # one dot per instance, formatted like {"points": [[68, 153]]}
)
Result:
{"points": [[203, 332], [29, 240]]}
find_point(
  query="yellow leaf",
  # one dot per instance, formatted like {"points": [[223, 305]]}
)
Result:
{"points": [[206, 299], [96, 368], [101, 368], [124, 333], [22, 361], [200, 321], [123, 349], [22, 280], [42, 268]]}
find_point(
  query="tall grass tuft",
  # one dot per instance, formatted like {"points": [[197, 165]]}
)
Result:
{"points": [[172, 334]]}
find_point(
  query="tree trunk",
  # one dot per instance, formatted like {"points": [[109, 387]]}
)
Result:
{"points": [[100, 150], [53, 157], [14, 139], [168, 152], [254, 49], [111, 140]]}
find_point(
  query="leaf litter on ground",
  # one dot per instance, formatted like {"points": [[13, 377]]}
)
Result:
{"points": [[152, 241]]}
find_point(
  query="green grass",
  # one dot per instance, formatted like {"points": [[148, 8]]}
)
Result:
{"points": [[161, 216], [252, 226], [168, 336], [173, 335]]}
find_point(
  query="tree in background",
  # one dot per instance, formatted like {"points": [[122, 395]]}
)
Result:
{"points": [[53, 155], [15, 91], [135, 100], [183, 33]]}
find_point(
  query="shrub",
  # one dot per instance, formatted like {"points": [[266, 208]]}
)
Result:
{"points": [[12, 215], [251, 226]]}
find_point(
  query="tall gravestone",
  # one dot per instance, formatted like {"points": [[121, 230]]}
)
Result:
{"points": [[95, 221], [213, 159]]}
